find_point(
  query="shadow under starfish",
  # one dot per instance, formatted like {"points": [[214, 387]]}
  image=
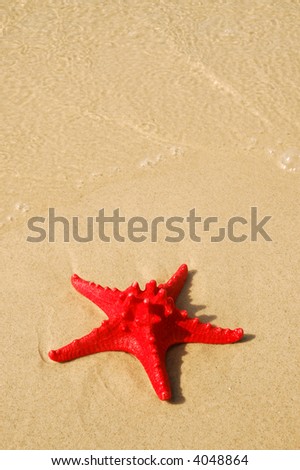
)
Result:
{"points": [[144, 323]]}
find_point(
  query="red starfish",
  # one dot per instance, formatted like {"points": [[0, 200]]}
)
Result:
{"points": [[143, 323]]}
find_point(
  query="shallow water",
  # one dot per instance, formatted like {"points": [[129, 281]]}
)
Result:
{"points": [[92, 89]]}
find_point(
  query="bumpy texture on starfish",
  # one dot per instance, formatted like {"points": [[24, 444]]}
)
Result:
{"points": [[144, 323]]}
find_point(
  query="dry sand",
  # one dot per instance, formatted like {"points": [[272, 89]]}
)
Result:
{"points": [[153, 107]]}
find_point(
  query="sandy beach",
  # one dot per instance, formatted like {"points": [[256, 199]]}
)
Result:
{"points": [[157, 109]]}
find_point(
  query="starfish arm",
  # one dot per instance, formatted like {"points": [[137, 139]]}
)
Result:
{"points": [[174, 285], [193, 331], [98, 340], [104, 298], [155, 368]]}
